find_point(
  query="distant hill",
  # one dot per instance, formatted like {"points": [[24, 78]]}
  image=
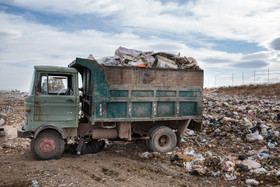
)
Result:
{"points": [[266, 90]]}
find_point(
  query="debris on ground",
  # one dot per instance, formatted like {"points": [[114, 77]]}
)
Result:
{"points": [[240, 140]]}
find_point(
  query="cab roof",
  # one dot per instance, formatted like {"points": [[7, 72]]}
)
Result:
{"points": [[55, 69]]}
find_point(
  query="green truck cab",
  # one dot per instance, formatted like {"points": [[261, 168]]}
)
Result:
{"points": [[117, 103]]}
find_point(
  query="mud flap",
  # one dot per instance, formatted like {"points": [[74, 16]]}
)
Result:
{"points": [[183, 125]]}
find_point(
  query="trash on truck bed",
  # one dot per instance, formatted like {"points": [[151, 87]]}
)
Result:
{"points": [[132, 57]]}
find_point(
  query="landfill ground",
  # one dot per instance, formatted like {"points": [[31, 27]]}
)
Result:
{"points": [[128, 163]]}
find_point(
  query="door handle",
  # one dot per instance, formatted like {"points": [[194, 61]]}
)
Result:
{"points": [[70, 101]]}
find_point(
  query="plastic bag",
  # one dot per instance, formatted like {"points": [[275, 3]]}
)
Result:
{"points": [[108, 61]]}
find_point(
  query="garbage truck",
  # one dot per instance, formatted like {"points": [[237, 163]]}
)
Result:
{"points": [[156, 105]]}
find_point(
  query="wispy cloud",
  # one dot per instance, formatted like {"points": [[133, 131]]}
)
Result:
{"points": [[253, 64], [217, 19], [275, 44]]}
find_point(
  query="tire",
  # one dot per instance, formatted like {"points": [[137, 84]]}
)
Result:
{"points": [[47, 145], [149, 135], [163, 139]]}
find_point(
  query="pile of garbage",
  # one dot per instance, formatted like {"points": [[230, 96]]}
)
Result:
{"points": [[251, 119], [132, 57], [11, 107], [240, 141]]}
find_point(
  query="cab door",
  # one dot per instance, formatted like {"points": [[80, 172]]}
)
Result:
{"points": [[56, 100]]}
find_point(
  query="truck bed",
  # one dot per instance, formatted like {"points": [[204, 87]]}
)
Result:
{"points": [[131, 94]]}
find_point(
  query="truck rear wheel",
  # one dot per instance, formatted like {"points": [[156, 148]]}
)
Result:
{"points": [[47, 145], [162, 140], [149, 135]]}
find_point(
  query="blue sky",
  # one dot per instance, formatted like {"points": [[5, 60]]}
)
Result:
{"points": [[228, 38]]}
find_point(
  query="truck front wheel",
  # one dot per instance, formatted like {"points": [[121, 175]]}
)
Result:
{"points": [[162, 140], [47, 145]]}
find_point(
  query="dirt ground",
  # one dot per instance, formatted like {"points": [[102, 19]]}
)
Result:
{"points": [[118, 164]]}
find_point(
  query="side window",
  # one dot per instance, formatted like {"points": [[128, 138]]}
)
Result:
{"points": [[56, 85], [44, 84]]}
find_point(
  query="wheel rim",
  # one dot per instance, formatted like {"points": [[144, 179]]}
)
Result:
{"points": [[47, 145], [164, 140]]}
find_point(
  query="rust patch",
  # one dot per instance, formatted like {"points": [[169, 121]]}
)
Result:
{"points": [[124, 129], [147, 77]]}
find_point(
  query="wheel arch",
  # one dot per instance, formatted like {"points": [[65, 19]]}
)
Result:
{"points": [[49, 127]]}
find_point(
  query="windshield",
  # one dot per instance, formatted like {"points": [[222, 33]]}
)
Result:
{"points": [[32, 83]]}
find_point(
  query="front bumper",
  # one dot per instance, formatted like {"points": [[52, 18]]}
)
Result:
{"points": [[21, 133]]}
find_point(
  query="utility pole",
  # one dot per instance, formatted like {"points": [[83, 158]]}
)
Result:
{"points": [[242, 78], [268, 75], [215, 80], [232, 80], [254, 76]]}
